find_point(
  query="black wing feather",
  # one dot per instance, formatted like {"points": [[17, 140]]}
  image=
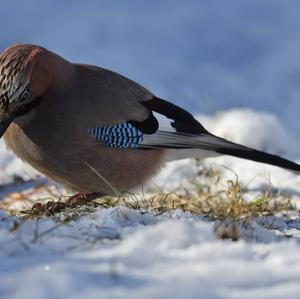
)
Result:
{"points": [[191, 134], [181, 120]]}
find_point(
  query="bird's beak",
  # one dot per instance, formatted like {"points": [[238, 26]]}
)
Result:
{"points": [[4, 125]]}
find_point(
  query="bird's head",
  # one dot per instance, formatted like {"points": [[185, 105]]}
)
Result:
{"points": [[23, 79]]}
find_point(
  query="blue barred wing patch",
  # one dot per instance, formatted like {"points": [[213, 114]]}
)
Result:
{"points": [[121, 136]]}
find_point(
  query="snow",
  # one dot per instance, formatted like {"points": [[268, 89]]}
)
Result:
{"points": [[235, 67], [121, 253]]}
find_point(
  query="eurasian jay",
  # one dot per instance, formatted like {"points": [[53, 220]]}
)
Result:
{"points": [[93, 130]]}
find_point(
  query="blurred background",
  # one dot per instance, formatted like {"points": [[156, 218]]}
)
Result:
{"points": [[204, 55]]}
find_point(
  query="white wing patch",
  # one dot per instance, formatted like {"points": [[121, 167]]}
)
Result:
{"points": [[164, 123]]}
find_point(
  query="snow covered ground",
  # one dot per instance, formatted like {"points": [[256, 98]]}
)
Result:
{"points": [[233, 65], [122, 253]]}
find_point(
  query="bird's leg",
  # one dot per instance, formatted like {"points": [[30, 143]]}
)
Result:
{"points": [[81, 198]]}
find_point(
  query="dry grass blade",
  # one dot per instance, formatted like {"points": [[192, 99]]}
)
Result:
{"points": [[228, 204]]}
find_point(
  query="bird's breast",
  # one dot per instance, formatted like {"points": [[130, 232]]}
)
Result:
{"points": [[67, 160]]}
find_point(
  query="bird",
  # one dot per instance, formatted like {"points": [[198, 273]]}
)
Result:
{"points": [[95, 131]]}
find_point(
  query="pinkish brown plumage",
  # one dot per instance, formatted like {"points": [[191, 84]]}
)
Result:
{"points": [[74, 121], [53, 137]]}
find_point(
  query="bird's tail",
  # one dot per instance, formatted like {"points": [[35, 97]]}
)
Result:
{"points": [[240, 151], [210, 145]]}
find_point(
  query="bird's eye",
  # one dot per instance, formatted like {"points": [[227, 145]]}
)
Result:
{"points": [[24, 96]]}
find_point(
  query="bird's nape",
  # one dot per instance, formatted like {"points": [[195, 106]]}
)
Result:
{"points": [[26, 72]]}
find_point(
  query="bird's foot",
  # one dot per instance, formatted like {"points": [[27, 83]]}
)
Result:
{"points": [[53, 207], [49, 208]]}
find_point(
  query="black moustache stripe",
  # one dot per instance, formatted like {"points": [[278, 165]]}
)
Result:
{"points": [[26, 108]]}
